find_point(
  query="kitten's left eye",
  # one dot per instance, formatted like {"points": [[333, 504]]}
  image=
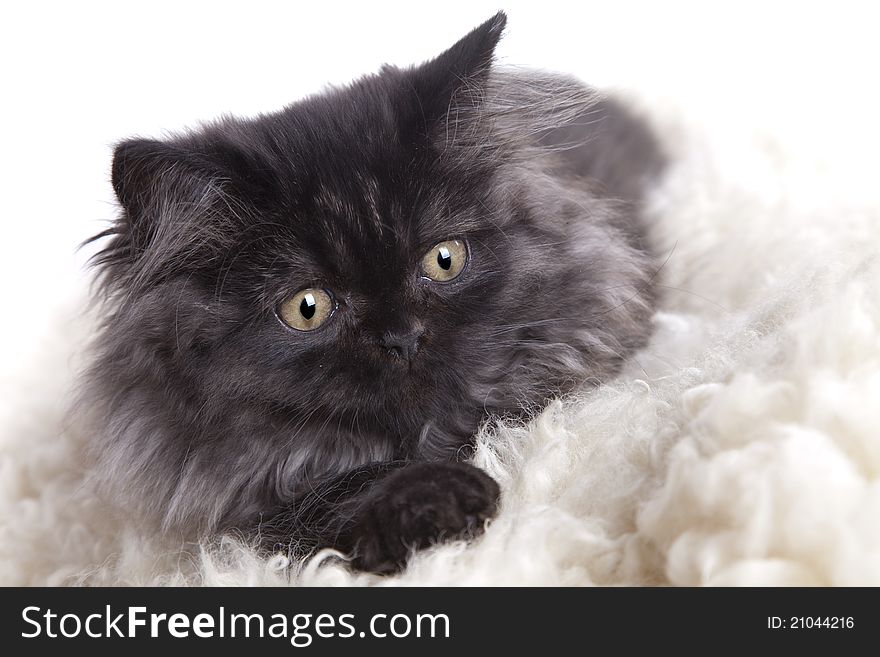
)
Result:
{"points": [[445, 261], [307, 309]]}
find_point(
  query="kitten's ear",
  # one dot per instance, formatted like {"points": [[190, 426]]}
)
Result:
{"points": [[147, 173], [162, 187], [175, 204], [464, 66]]}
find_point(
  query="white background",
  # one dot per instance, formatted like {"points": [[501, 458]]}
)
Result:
{"points": [[76, 77]]}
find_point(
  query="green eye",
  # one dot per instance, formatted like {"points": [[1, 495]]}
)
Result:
{"points": [[445, 261], [307, 309]]}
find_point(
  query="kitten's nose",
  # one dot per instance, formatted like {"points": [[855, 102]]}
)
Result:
{"points": [[404, 343]]}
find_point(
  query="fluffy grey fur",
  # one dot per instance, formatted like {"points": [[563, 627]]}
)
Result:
{"points": [[211, 415]]}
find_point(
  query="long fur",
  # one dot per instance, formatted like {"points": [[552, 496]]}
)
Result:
{"points": [[209, 415]]}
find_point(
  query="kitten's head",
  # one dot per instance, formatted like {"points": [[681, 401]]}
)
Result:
{"points": [[372, 268]]}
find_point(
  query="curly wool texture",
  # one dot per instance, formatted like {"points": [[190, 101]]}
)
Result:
{"points": [[740, 447]]}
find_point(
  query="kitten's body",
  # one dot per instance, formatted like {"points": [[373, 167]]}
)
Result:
{"points": [[217, 416]]}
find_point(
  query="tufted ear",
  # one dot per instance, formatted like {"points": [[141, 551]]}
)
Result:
{"points": [[175, 204], [161, 185], [148, 173], [465, 66]]}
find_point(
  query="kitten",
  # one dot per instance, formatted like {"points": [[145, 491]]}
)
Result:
{"points": [[308, 314]]}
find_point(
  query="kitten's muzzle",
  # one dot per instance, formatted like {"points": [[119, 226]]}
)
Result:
{"points": [[403, 344]]}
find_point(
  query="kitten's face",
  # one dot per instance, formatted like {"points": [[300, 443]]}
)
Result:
{"points": [[364, 294]]}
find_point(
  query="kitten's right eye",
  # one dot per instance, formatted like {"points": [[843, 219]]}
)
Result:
{"points": [[307, 309]]}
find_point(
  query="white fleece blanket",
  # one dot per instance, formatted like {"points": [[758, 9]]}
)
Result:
{"points": [[742, 446]]}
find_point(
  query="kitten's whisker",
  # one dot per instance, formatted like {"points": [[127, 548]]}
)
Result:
{"points": [[516, 327], [637, 294], [698, 296]]}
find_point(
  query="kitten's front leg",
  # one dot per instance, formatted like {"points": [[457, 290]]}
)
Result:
{"points": [[380, 513]]}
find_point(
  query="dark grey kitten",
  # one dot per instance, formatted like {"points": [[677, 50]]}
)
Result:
{"points": [[309, 314]]}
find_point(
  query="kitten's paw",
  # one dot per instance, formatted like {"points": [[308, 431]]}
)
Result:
{"points": [[419, 505]]}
